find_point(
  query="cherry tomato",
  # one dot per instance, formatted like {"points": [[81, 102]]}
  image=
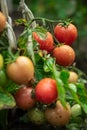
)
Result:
{"points": [[64, 54], [2, 21], [3, 78], [65, 34], [76, 110], [1, 61], [45, 44], [46, 91], [21, 71], [59, 115], [36, 116], [23, 97], [73, 77]]}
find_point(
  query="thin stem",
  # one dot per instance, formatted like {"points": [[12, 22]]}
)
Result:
{"points": [[4, 8], [10, 32], [11, 36], [27, 13], [30, 48], [45, 20]]}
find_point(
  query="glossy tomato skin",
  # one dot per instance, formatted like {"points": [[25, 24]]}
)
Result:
{"points": [[59, 115], [65, 34], [73, 77], [2, 21], [64, 55], [21, 71], [36, 116], [3, 78], [46, 91], [23, 98], [45, 44]]}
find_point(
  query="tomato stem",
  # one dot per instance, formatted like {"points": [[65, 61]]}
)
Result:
{"points": [[27, 13], [30, 48], [10, 32], [61, 90]]}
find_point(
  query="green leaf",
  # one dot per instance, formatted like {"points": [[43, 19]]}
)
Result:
{"points": [[84, 106], [30, 48], [82, 92], [64, 75], [48, 64], [60, 87], [74, 94], [11, 86], [21, 21], [81, 89], [40, 73], [41, 31], [23, 38], [6, 100], [73, 87]]}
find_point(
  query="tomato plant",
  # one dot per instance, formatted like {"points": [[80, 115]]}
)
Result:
{"points": [[45, 43], [46, 91], [64, 54], [38, 74], [65, 33], [24, 98]]}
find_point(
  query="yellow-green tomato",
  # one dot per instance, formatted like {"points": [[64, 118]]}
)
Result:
{"points": [[36, 116], [76, 110], [59, 115], [1, 61], [21, 71], [3, 78], [73, 77]]}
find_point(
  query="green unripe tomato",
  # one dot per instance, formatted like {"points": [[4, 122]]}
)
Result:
{"points": [[1, 61], [36, 116], [3, 78], [76, 110]]}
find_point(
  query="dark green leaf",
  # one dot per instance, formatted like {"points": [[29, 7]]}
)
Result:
{"points": [[23, 38], [11, 87], [6, 100]]}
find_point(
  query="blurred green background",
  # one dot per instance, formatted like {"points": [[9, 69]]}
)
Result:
{"points": [[76, 10]]}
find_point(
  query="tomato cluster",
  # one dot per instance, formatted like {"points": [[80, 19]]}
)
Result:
{"points": [[40, 68]]}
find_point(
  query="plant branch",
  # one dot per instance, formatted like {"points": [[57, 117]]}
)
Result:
{"points": [[10, 32], [27, 14]]}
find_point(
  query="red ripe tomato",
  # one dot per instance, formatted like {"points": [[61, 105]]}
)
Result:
{"points": [[64, 54], [65, 34], [23, 98], [46, 91], [45, 44]]}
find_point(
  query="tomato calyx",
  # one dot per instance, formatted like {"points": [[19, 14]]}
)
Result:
{"points": [[65, 23], [11, 56]]}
